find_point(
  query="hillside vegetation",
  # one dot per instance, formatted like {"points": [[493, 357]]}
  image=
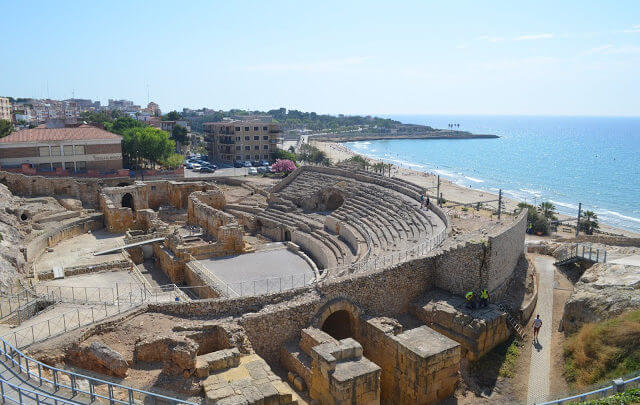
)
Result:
{"points": [[604, 350]]}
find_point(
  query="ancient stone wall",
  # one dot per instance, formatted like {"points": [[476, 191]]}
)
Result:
{"points": [[506, 247], [86, 190], [65, 231], [215, 222]]}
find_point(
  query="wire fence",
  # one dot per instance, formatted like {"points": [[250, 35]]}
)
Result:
{"points": [[10, 304], [52, 380]]}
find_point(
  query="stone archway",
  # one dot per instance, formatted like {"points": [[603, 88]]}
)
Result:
{"points": [[339, 325], [339, 318], [127, 201], [287, 235]]}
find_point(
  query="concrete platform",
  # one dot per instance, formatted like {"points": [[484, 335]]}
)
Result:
{"points": [[79, 251], [248, 272]]}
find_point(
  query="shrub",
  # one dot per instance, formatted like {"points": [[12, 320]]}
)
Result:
{"points": [[604, 350], [284, 166], [173, 161]]}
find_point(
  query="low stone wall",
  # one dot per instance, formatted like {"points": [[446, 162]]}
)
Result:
{"points": [[86, 190], [57, 235], [505, 248], [605, 240], [195, 276], [115, 265]]}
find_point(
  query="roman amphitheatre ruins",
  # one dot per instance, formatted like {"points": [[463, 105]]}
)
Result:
{"points": [[332, 285]]}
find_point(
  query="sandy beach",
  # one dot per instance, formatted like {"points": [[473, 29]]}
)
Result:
{"points": [[450, 191]]}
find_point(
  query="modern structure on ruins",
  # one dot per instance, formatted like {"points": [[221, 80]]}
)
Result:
{"points": [[371, 311], [230, 141]]}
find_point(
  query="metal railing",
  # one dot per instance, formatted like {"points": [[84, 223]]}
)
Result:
{"points": [[619, 385], [120, 293], [585, 251], [11, 304], [56, 378], [65, 322]]}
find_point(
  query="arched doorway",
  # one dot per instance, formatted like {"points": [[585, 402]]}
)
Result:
{"points": [[287, 236], [339, 325], [127, 201]]}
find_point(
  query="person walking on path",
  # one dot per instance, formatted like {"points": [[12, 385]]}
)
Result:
{"points": [[427, 204], [537, 324], [421, 201]]}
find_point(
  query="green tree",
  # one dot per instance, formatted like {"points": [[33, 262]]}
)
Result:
{"points": [[285, 155], [142, 145], [548, 210], [120, 125], [179, 134], [173, 161], [6, 127], [589, 222], [172, 116]]}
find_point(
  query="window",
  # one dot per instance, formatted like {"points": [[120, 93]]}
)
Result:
{"points": [[246, 129], [238, 129], [81, 166], [238, 157], [237, 137], [256, 157], [256, 138], [247, 147], [55, 151], [246, 138], [79, 149], [265, 138], [43, 151], [238, 147], [265, 156], [256, 128], [67, 150], [265, 146], [247, 157], [264, 128]]}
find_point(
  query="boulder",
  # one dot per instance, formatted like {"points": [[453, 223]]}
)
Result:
{"points": [[603, 291], [106, 357]]}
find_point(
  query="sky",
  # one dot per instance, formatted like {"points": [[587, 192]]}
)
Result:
{"points": [[350, 57]]}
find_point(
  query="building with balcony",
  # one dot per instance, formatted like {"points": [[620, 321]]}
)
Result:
{"points": [[5, 109], [230, 141]]}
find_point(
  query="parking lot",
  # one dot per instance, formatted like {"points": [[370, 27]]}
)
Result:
{"points": [[220, 172]]}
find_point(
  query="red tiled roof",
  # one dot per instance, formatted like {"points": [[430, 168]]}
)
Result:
{"points": [[81, 133]]}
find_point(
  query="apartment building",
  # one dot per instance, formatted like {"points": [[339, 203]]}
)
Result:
{"points": [[5, 109], [76, 149], [230, 141]]}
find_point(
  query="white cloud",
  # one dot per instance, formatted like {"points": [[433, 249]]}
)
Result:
{"points": [[489, 38], [633, 29], [610, 49], [329, 65], [533, 37]]}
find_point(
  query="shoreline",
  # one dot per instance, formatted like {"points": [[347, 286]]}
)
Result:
{"points": [[450, 191]]}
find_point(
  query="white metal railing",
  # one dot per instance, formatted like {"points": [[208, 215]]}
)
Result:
{"points": [[55, 379], [585, 251], [619, 385]]}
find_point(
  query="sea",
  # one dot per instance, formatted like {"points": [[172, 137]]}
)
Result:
{"points": [[565, 160]]}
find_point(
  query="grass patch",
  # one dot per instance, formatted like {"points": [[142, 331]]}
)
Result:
{"points": [[501, 360], [631, 396], [604, 350]]}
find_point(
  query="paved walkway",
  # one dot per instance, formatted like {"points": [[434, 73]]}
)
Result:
{"points": [[541, 351]]}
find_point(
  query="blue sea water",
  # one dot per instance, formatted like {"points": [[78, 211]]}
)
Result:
{"points": [[565, 160]]}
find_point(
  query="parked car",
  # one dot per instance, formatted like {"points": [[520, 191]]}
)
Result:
{"points": [[238, 163], [196, 166], [265, 163], [263, 169], [253, 170], [247, 163], [207, 169], [189, 165]]}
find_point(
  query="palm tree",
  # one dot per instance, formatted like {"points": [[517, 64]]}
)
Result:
{"points": [[548, 209], [589, 222]]}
